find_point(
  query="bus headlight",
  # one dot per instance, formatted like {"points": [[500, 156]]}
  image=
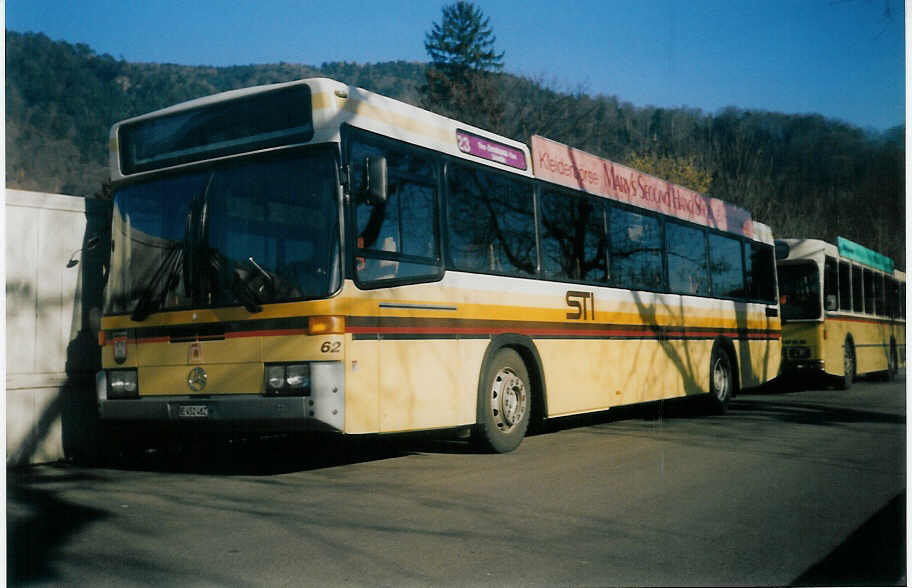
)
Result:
{"points": [[275, 377], [122, 384], [297, 377], [292, 379]]}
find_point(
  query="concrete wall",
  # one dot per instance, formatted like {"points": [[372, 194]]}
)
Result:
{"points": [[52, 315]]}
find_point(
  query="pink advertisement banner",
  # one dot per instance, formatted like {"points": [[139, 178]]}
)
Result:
{"points": [[577, 169]]}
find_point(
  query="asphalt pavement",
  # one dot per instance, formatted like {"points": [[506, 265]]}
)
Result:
{"points": [[789, 488]]}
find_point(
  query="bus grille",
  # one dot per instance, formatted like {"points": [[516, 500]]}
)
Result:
{"points": [[197, 333]]}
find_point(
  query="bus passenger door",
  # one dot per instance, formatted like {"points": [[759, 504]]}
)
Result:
{"points": [[396, 259]]}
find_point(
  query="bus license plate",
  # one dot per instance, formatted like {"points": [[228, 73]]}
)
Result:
{"points": [[193, 411]]}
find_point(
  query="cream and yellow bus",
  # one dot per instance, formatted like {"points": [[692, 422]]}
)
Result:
{"points": [[311, 255], [843, 309]]}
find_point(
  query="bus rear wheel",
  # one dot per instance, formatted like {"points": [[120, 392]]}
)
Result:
{"points": [[721, 380], [504, 403], [892, 362]]}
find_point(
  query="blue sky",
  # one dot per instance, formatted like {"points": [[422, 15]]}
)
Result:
{"points": [[839, 58]]}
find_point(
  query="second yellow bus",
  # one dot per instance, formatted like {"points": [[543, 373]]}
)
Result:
{"points": [[843, 309]]}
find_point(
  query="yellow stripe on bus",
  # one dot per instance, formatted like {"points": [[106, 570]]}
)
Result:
{"points": [[622, 314]]}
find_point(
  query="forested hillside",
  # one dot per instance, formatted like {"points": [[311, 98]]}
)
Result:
{"points": [[803, 174]]}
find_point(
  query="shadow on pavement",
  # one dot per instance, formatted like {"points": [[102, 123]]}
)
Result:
{"points": [[813, 382], [254, 455], [39, 524], [809, 413], [874, 555]]}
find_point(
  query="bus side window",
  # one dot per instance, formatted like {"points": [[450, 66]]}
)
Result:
{"points": [[573, 238], [880, 295], [845, 286], [726, 267], [830, 285], [869, 291], [395, 239], [902, 300], [685, 248], [490, 222], [857, 289], [892, 294], [636, 250]]}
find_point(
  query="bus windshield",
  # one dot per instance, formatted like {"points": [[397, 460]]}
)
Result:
{"points": [[246, 232], [799, 291]]}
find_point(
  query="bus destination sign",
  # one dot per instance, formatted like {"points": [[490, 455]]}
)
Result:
{"points": [[490, 150], [577, 169]]}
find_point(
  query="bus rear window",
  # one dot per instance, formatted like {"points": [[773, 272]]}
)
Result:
{"points": [[760, 272], [270, 119]]}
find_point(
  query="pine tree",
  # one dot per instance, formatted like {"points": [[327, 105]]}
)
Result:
{"points": [[463, 42], [460, 80]]}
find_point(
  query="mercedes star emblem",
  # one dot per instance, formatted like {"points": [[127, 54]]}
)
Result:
{"points": [[197, 379]]}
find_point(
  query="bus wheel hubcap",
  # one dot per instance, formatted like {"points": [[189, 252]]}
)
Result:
{"points": [[508, 399], [720, 379]]}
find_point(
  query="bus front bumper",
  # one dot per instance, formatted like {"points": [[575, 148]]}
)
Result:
{"points": [[323, 408], [292, 413]]}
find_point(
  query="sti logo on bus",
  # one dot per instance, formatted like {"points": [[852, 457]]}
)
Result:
{"points": [[583, 302]]}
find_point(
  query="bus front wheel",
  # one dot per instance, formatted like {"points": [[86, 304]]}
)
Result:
{"points": [[848, 365], [504, 403]]}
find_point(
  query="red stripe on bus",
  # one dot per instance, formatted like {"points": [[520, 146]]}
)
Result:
{"points": [[153, 340], [266, 333], [643, 333], [228, 335]]}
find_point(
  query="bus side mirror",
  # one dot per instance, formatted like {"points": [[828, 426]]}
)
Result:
{"points": [[91, 242], [375, 181], [830, 303], [782, 249]]}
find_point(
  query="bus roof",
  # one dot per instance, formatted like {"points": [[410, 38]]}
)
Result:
{"points": [[818, 249], [861, 254], [334, 103]]}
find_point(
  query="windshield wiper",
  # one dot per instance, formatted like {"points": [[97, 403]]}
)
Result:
{"points": [[242, 289], [181, 258], [246, 295], [166, 273], [258, 287]]}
